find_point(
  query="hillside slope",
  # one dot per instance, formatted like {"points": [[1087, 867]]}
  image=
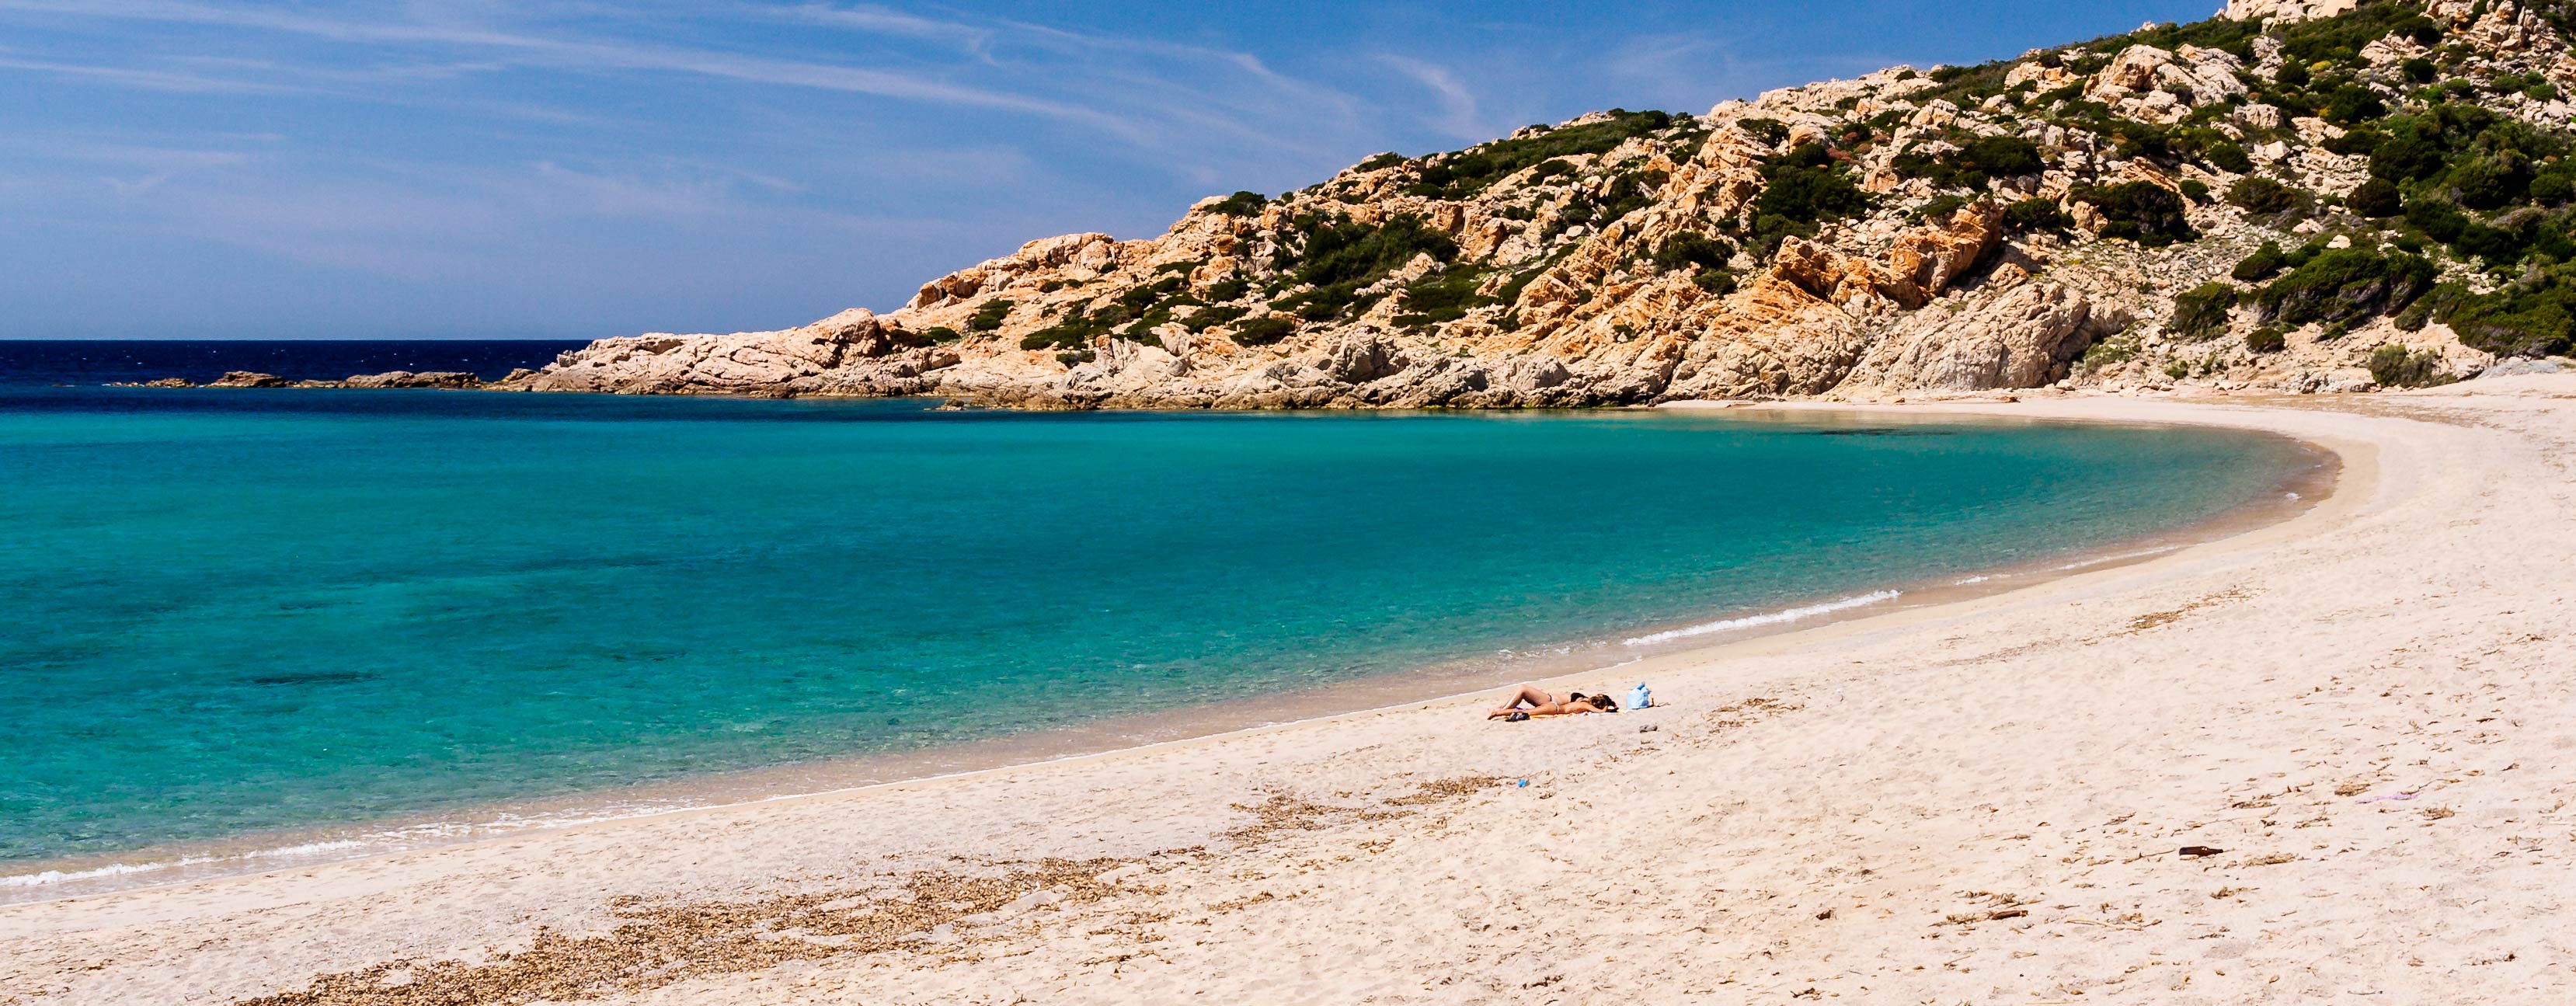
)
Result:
{"points": [[2293, 196]]}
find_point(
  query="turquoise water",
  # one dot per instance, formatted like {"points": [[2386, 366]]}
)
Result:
{"points": [[228, 612]]}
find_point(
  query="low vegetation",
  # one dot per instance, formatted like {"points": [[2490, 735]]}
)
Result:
{"points": [[2395, 366], [2201, 312], [1802, 188], [1468, 172]]}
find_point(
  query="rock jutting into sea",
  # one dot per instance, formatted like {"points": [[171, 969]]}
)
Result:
{"points": [[451, 379]]}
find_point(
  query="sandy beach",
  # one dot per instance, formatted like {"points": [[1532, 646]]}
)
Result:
{"points": [[2323, 760]]}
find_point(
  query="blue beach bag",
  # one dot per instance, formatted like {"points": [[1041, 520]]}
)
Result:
{"points": [[1639, 697]]}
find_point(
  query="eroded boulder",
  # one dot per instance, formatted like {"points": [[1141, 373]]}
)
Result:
{"points": [[2022, 337]]}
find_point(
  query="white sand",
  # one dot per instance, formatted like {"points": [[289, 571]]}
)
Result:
{"points": [[2027, 764]]}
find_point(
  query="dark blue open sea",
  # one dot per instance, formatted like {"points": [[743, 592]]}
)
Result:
{"points": [[92, 362], [227, 614]]}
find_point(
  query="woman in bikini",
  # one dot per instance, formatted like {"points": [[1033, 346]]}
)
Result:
{"points": [[1530, 701]]}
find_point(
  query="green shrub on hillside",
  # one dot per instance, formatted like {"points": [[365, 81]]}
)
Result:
{"points": [[2266, 262], [2236, 37], [2339, 40], [1443, 296], [2392, 366], [2262, 196], [1210, 317], [2353, 103], [1692, 249], [2034, 215], [989, 316], [1803, 188], [2376, 199], [1766, 130], [2144, 212], [1241, 204], [1464, 174], [1325, 303], [1628, 193], [1062, 335], [2451, 159], [2227, 157], [1965, 86], [2519, 320], [1345, 251], [1227, 289], [2438, 219], [2104, 354], [1976, 160], [2346, 285], [2201, 311], [1263, 331], [1554, 167], [2553, 184]]}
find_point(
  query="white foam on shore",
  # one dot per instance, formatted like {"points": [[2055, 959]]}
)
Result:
{"points": [[110, 870], [409, 836], [2122, 557], [1770, 618]]}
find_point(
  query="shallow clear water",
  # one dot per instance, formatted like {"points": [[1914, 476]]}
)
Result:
{"points": [[228, 611]]}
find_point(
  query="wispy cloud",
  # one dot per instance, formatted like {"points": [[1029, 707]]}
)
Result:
{"points": [[1156, 105], [531, 49], [146, 79], [878, 20], [1458, 115]]}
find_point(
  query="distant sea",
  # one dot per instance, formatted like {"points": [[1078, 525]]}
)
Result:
{"points": [[228, 614], [88, 362]]}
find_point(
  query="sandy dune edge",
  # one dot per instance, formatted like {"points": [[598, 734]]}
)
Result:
{"points": [[2366, 708]]}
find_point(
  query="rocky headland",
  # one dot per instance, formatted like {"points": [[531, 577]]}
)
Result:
{"points": [[2291, 197]]}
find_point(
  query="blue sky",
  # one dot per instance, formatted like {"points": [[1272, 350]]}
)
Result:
{"points": [[499, 168]]}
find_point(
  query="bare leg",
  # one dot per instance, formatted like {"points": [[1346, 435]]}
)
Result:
{"points": [[1524, 694]]}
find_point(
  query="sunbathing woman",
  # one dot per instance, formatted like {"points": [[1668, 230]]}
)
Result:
{"points": [[1531, 701]]}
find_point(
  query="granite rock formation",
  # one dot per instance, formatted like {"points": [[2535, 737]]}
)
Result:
{"points": [[2078, 217]]}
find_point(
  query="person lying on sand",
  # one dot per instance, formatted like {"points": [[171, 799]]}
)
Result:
{"points": [[1530, 701]]}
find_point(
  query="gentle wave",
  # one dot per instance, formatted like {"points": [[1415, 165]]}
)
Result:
{"points": [[50, 877], [110, 870], [1771, 618], [2122, 557], [412, 836]]}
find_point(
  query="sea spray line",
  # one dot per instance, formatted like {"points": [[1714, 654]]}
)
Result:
{"points": [[110, 870], [46, 877], [1772, 618], [394, 839], [2122, 557]]}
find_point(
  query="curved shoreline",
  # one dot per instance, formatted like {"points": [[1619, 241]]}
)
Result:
{"points": [[1451, 681], [2347, 721]]}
